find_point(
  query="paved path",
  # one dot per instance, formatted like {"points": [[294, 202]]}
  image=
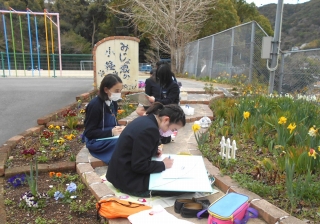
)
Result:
{"points": [[24, 100]]}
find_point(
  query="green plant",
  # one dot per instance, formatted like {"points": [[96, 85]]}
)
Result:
{"points": [[72, 158], [8, 202], [31, 179], [71, 117], [40, 220], [80, 208], [42, 159], [80, 187], [202, 137]]}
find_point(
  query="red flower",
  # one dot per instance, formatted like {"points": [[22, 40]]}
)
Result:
{"points": [[70, 113]]}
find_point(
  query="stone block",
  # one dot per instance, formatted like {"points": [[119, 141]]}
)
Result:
{"points": [[43, 120], [36, 129], [291, 219], [100, 190], [95, 162], [267, 211], [16, 170], [15, 139], [3, 160], [84, 167], [5, 149], [62, 166], [90, 178]]}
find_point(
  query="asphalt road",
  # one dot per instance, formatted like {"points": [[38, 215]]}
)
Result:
{"points": [[24, 100]]}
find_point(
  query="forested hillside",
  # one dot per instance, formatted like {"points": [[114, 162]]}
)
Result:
{"points": [[84, 22], [301, 23]]}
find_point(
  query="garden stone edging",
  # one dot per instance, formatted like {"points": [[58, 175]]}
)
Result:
{"points": [[270, 213], [267, 211]]}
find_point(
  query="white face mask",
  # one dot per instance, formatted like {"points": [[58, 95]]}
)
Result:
{"points": [[115, 96]]}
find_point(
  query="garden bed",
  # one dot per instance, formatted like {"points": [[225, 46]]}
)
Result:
{"points": [[76, 206], [277, 154]]}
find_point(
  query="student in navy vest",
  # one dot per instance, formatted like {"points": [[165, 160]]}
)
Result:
{"points": [[131, 165], [101, 127]]}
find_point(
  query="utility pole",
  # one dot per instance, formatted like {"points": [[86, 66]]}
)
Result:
{"points": [[275, 45]]}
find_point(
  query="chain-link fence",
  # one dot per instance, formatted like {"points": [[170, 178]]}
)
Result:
{"points": [[299, 71], [232, 52], [236, 52]]}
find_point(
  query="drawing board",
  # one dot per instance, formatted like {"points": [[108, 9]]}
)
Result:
{"points": [[188, 174], [141, 98]]}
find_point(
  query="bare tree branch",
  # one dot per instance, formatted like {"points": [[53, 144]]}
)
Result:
{"points": [[170, 23]]}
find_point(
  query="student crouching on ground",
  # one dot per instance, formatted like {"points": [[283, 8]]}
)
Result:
{"points": [[131, 165]]}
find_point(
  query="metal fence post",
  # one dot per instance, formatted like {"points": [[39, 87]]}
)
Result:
{"points": [[211, 60], [281, 73], [54, 66], [2, 64], [196, 67], [231, 52], [253, 32]]}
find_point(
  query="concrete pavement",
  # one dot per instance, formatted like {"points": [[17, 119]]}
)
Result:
{"points": [[24, 100]]}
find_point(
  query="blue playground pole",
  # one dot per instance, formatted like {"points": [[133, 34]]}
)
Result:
{"points": [[30, 39], [6, 40], [38, 46]]}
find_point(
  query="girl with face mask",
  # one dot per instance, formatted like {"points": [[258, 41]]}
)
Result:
{"points": [[101, 127], [131, 165]]}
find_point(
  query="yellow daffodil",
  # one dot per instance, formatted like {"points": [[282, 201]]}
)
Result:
{"points": [[313, 131], [291, 127], [79, 101], [246, 114], [319, 148], [282, 120], [196, 127], [312, 153], [82, 111], [51, 126], [130, 105], [57, 128]]}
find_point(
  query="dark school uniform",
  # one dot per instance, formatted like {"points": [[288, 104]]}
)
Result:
{"points": [[99, 122]]}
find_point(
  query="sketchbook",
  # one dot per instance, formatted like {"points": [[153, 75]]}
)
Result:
{"points": [[141, 98], [188, 174]]}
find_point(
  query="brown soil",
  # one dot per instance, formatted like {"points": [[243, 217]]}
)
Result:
{"points": [[53, 151], [53, 211]]}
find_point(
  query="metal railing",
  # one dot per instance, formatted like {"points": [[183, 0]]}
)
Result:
{"points": [[22, 65]]}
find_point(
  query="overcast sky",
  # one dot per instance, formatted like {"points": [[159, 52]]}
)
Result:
{"points": [[265, 2]]}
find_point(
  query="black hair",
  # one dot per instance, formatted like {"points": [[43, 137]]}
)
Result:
{"points": [[173, 111], [164, 75], [108, 81]]}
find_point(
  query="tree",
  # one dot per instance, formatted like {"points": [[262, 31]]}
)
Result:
{"points": [[96, 14], [171, 23], [248, 12], [223, 15]]}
